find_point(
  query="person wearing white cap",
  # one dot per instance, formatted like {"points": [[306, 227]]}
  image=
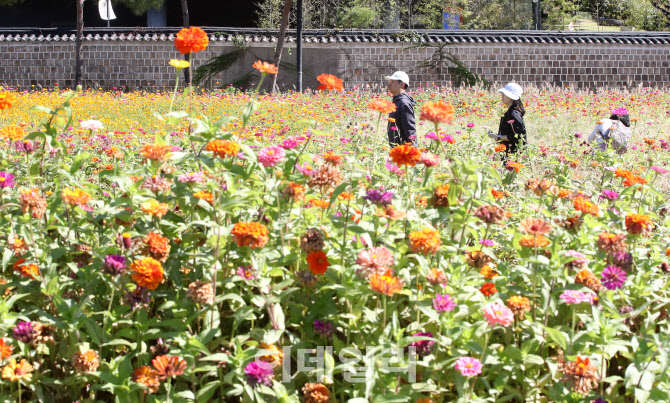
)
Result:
{"points": [[402, 123], [512, 129]]}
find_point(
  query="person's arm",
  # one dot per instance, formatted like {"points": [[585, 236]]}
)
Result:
{"points": [[408, 127], [592, 137]]}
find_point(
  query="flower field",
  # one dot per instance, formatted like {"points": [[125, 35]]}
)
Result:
{"points": [[273, 248]]}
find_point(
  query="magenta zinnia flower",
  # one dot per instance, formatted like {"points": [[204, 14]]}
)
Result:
{"points": [[423, 346], [575, 297], [259, 372], [374, 261], [498, 314], [379, 198], [6, 180], [115, 264], [271, 156], [289, 143], [443, 303], [469, 366], [23, 331], [621, 111], [613, 277], [609, 195]]}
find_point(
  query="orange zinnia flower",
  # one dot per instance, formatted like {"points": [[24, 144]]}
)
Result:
{"points": [[488, 272], [515, 165], [7, 99], [13, 133], [563, 193], [496, 194], [529, 241], [154, 208], [168, 367], [639, 224], [386, 284], [5, 349], [16, 372], [206, 196], [17, 245], [223, 148], [534, 226], [294, 191], [405, 154], [437, 112], [488, 289], [500, 148], [148, 377], [156, 246], [586, 206], [383, 106], [76, 197], [26, 270], [155, 152], [333, 159], [251, 234], [317, 262], [329, 82], [265, 67], [148, 272], [635, 180], [190, 40], [426, 241]]}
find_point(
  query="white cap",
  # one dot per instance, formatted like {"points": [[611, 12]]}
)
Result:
{"points": [[512, 90], [400, 76]]}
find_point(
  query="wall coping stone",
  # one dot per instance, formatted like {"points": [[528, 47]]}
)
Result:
{"points": [[329, 36]]}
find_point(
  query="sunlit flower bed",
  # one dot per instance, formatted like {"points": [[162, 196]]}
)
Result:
{"points": [[273, 248]]}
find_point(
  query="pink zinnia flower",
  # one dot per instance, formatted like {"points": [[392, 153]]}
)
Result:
{"points": [[289, 143], [192, 177], [271, 156], [443, 303], [469, 366], [429, 159], [497, 313], [374, 261], [659, 169], [580, 257], [487, 242], [394, 169], [93, 125], [575, 297], [305, 169]]}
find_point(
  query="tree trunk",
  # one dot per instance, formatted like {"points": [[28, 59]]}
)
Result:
{"points": [[186, 22], [79, 43], [280, 41]]}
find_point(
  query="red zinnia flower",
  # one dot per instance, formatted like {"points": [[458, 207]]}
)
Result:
{"points": [[329, 82], [317, 262]]}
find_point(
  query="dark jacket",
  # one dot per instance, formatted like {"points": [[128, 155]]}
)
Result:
{"points": [[404, 121], [515, 131]]}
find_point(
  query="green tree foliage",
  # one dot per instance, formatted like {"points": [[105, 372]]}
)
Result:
{"points": [[9, 3]]}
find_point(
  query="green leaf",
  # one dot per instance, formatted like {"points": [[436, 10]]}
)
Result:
{"points": [[206, 392], [557, 336], [197, 344], [79, 161], [248, 110]]}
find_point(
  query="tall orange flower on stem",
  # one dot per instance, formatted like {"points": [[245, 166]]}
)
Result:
{"points": [[386, 284], [438, 112], [586, 206], [383, 106], [191, 40], [639, 224], [5, 349], [330, 82], [405, 154], [223, 148], [265, 67], [169, 366]]}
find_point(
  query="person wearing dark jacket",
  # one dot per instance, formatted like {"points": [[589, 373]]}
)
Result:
{"points": [[402, 123], [512, 130]]}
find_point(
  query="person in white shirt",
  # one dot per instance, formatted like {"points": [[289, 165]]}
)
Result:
{"points": [[616, 130]]}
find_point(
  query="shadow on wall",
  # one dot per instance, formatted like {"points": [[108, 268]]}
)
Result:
{"points": [[241, 74]]}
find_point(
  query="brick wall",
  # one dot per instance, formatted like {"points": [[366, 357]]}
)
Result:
{"points": [[581, 66], [143, 64]]}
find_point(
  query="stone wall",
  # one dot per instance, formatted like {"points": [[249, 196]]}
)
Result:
{"points": [[580, 66], [361, 59]]}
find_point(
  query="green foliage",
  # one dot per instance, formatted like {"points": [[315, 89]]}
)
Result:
{"points": [[442, 59], [358, 17]]}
